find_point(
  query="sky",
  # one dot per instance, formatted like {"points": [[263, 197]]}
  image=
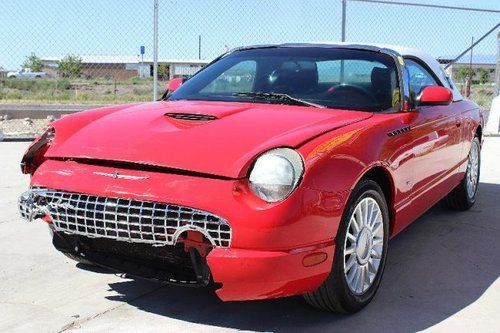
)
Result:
{"points": [[112, 27]]}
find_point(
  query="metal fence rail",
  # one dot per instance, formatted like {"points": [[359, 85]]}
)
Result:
{"points": [[88, 52]]}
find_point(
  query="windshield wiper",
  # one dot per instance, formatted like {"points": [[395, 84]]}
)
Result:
{"points": [[278, 97]]}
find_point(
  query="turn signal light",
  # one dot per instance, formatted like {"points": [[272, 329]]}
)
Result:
{"points": [[314, 259]]}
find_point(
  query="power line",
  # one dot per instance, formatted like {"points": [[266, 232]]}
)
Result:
{"points": [[429, 5]]}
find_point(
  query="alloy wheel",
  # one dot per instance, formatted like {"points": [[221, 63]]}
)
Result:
{"points": [[363, 246], [473, 170]]}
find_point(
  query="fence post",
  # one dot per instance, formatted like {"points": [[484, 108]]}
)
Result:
{"points": [[493, 123], [155, 51], [344, 5], [497, 70]]}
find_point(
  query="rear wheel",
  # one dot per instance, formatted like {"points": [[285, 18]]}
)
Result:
{"points": [[464, 195], [360, 253]]}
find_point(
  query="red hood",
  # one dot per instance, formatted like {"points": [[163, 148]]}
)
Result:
{"points": [[142, 133]]}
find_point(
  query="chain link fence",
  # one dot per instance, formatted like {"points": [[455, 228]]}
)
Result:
{"points": [[58, 57]]}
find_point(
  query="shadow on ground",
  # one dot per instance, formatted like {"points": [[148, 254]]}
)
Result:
{"points": [[442, 263]]}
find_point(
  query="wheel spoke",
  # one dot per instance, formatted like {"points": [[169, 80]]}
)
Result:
{"points": [[354, 224], [374, 263], [378, 219], [370, 216], [362, 279], [376, 254], [365, 214], [368, 277], [359, 217], [350, 250], [352, 275], [350, 262], [377, 229]]}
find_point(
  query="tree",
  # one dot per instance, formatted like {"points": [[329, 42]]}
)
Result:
{"points": [[33, 62], [70, 66], [163, 71], [462, 73], [484, 75]]}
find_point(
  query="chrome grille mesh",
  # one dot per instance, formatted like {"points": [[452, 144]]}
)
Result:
{"points": [[125, 219]]}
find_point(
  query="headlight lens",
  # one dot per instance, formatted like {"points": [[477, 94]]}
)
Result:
{"points": [[276, 174]]}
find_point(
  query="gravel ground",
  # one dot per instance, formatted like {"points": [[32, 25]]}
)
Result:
{"points": [[442, 275], [23, 128]]}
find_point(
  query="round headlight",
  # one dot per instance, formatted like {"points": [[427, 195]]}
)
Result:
{"points": [[276, 174]]}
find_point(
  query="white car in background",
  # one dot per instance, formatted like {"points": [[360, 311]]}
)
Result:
{"points": [[26, 73]]}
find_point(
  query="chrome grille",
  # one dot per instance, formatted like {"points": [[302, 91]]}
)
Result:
{"points": [[123, 219]]}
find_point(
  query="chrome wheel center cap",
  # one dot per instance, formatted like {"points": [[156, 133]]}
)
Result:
{"points": [[364, 246]]}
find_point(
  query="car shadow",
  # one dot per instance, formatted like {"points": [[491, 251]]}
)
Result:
{"points": [[436, 267]]}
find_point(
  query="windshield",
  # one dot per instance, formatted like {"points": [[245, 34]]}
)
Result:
{"points": [[313, 76]]}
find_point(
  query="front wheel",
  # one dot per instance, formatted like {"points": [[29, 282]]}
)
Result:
{"points": [[360, 253]]}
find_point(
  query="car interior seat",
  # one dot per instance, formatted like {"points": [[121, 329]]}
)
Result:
{"points": [[381, 86], [294, 77]]}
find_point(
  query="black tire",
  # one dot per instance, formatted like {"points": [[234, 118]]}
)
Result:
{"points": [[459, 198], [78, 259], [334, 295]]}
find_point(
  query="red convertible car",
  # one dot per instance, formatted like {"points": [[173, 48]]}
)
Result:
{"points": [[276, 170]]}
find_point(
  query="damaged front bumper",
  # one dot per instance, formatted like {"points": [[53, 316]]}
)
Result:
{"points": [[155, 240], [31, 206], [260, 255]]}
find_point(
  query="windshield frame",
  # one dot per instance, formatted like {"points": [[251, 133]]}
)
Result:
{"points": [[401, 72]]}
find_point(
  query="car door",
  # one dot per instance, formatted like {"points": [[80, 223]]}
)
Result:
{"points": [[436, 137]]}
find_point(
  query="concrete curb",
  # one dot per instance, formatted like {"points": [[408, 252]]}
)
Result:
{"points": [[40, 111]]}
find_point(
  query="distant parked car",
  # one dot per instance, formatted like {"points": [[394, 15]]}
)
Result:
{"points": [[26, 73]]}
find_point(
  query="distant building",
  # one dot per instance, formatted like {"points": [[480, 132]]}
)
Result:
{"points": [[125, 67], [3, 72]]}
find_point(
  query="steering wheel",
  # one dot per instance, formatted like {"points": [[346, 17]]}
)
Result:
{"points": [[351, 87]]}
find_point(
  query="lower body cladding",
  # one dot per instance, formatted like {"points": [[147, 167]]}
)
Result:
{"points": [[131, 226]]}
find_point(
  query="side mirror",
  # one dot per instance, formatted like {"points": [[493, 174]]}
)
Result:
{"points": [[435, 95], [174, 84]]}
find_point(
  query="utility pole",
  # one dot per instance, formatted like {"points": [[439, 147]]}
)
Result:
{"points": [[344, 9], [199, 47], [155, 51], [497, 71], [469, 81]]}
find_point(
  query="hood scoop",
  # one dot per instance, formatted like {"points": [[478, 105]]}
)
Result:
{"points": [[191, 116]]}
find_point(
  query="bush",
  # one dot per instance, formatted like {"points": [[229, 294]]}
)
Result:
{"points": [[70, 66], [33, 62]]}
